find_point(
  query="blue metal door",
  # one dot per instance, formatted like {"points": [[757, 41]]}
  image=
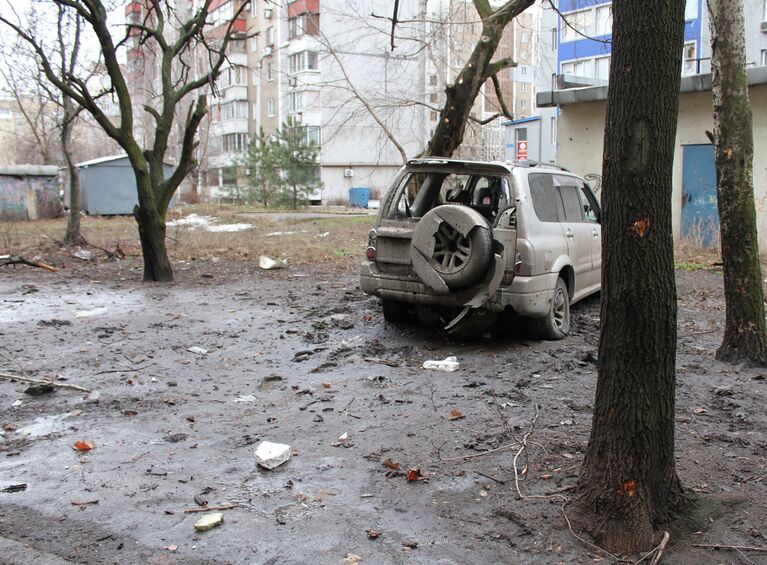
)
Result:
{"points": [[700, 216]]}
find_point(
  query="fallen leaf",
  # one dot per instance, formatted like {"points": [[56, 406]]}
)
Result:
{"points": [[373, 534], [130, 413], [10, 427], [83, 445], [414, 474], [83, 502], [327, 385], [699, 410], [455, 414], [391, 464], [352, 559], [171, 547]]}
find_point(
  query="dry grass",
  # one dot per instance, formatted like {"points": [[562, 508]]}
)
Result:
{"points": [[333, 241]]}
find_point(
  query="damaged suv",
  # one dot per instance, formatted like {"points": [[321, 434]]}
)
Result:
{"points": [[464, 241]]}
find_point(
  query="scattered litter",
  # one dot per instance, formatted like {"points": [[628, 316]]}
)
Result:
{"points": [[342, 439], [83, 445], [171, 547], [448, 364], [245, 398], [90, 313], [209, 521], [83, 254], [270, 455], [38, 390], [93, 397], [414, 474], [267, 263], [567, 422], [373, 534], [83, 502], [327, 385], [229, 228], [16, 403], [197, 350], [322, 235], [699, 410], [455, 414], [15, 488], [391, 464]]}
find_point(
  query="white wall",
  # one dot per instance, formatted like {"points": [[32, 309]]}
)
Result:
{"points": [[581, 138]]}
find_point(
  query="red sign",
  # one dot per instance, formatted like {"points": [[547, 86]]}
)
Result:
{"points": [[521, 150]]}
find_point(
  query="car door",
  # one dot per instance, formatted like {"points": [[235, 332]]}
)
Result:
{"points": [[591, 215], [578, 233]]}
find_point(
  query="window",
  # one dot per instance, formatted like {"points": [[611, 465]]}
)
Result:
{"points": [[313, 135], [433, 116], [523, 87], [580, 68], [553, 38], [269, 71], [572, 203], [237, 75], [6, 114], [269, 36], [603, 68], [234, 110], [764, 57], [689, 59], [580, 21], [522, 104], [546, 202], [589, 212], [304, 24], [295, 101], [255, 110], [433, 97], [691, 10], [254, 44], [228, 175], [604, 20], [234, 142], [270, 107], [305, 60], [433, 80], [553, 131], [222, 14]]}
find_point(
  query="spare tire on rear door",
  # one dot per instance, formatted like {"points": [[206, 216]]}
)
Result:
{"points": [[452, 248]]}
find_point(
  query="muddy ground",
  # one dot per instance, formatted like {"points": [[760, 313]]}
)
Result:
{"points": [[301, 356]]}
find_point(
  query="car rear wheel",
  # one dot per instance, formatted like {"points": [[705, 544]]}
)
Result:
{"points": [[556, 323], [394, 311]]}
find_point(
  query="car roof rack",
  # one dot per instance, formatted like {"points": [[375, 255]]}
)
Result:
{"points": [[526, 163]]}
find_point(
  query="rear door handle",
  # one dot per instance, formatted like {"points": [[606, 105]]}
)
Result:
{"points": [[569, 233]]}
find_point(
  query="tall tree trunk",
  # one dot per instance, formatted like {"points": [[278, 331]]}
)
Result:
{"points": [[745, 335], [628, 482], [73, 235], [150, 217]]}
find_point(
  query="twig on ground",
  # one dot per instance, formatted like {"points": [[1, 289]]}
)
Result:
{"points": [[660, 548], [523, 449], [345, 408], [481, 453], [209, 508], [504, 420], [583, 541], [18, 260], [743, 547], [492, 478], [13, 377]]}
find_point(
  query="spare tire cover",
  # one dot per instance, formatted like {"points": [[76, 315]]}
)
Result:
{"points": [[452, 248]]}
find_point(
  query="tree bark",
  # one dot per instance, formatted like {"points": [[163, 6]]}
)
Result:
{"points": [[73, 235], [450, 129], [628, 483], [745, 335]]}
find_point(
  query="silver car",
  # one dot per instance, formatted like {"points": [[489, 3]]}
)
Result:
{"points": [[463, 241]]}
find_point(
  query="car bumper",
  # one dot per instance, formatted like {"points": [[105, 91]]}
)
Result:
{"points": [[527, 296]]}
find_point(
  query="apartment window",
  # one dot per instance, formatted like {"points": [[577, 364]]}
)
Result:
{"points": [[270, 107], [433, 116], [237, 75], [234, 142], [603, 68], [313, 135], [522, 104], [305, 60], [604, 18], [254, 44], [524, 37], [269, 71], [221, 15], [689, 59], [691, 10], [304, 24], [433, 80], [764, 57], [577, 24], [269, 36], [234, 110], [433, 97], [580, 68], [523, 87], [7, 114], [295, 101], [553, 131]]}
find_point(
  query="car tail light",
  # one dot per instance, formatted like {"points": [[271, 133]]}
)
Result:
{"points": [[522, 267], [370, 253]]}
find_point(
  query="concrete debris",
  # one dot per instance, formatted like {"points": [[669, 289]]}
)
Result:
{"points": [[83, 254], [270, 455], [197, 350], [245, 398], [448, 364], [209, 521], [90, 313], [267, 263]]}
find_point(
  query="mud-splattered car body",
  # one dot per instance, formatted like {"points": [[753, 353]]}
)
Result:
{"points": [[472, 239]]}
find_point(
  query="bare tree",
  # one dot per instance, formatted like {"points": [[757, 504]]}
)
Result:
{"points": [[173, 40], [745, 335]]}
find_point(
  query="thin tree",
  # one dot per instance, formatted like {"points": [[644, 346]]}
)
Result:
{"points": [[298, 161], [628, 483], [745, 335], [173, 38], [262, 163]]}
